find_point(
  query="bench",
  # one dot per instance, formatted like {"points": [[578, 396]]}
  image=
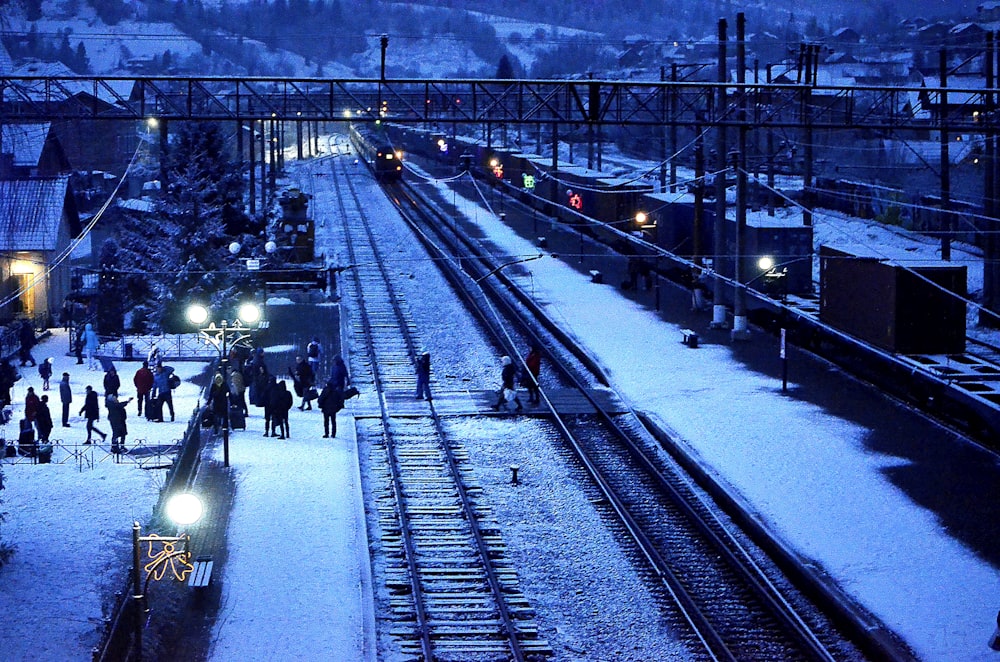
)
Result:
{"points": [[596, 276], [689, 338], [201, 575]]}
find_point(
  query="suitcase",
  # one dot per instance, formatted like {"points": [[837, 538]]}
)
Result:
{"points": [[154, 409], [237, 420]]}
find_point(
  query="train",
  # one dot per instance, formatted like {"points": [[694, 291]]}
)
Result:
{"points": [[374, 146], [777, 248]]}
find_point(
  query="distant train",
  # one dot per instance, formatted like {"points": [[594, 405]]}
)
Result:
{"points": [[385, 162]]}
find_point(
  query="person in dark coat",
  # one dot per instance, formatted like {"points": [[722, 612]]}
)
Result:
{"points": [[78, 344], [304, 379], [338, 375], [331, 401], [143, 382], [91, 410], [112, 382], [259, 384], [31, 404], [43, 420], [65, 397], [424, 376], [507, 386], [26, 439], [26, 336], [8, 375], [45, 372], [281, 404], [116, 418], [533, 363], [218, 402], [264, 396]]}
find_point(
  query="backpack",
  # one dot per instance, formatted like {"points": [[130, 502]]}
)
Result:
{"points": [[313, 350]]}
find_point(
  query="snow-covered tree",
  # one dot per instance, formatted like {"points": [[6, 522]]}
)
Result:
{"points": [[185, 251]]}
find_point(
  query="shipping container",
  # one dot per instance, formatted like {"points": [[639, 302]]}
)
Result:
{"points": [[894, 303]]}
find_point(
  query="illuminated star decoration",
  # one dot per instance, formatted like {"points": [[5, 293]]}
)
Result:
{"points": [[167, 557], [235, 334]]}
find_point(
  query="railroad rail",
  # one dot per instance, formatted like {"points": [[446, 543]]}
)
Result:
{"points": [[657, 504], [454, 593]]}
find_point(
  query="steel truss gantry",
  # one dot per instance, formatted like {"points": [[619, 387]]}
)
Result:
{"points": [[486, 101]]}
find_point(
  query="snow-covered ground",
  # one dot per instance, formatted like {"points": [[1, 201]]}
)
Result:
{"points": [[808, 473]]}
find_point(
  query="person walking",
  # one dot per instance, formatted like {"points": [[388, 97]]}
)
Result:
{"points": [[116, 418], [508, 390], [65, 397], [533, 363], [281, 404], [112, 382], [331, 401], [26, 336], [45, 372], [91, 343], [305, 380], [260, 381], [313, 353], [424, 376], [43, 420], [91, 410], [143, 382]]}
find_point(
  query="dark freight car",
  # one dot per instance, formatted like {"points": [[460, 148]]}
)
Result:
{"points": [[904, 307]]}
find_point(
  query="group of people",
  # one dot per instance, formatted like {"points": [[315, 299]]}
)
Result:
{"points": [[153, 392], [272, 394], [507, 394]]}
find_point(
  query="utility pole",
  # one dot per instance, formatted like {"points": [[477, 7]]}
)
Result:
{"points": [[741, 330], [719, 229], [945, 213]]}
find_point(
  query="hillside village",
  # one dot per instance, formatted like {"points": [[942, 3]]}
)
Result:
{"points": [[56, 178]]}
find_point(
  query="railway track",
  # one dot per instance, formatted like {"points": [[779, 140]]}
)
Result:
{"points": [[736, 604], [454, 594]]}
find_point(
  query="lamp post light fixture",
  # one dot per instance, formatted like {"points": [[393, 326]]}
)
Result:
{"points": [[225, 337], [164, 555]]}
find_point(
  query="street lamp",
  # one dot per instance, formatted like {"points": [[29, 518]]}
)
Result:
{"points": [[164, 554], [224, 337]]}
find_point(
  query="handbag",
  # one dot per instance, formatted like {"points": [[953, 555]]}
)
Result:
{"points": [[311, 394], [350, 392]]}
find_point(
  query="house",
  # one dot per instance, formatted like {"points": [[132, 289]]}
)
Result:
{"points": [[30, 150], [38, 221], [89, 144]]}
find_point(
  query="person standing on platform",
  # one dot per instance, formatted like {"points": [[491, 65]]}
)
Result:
{"points": [[91, 343], [31, 405], [304, 379], [65, 397], [112, 382], [281, 404], [45, 372], [331, 401], [43, 420], [116, 418], [161, 390], [313, 353], [91, 410], [424, 376], [26, 335], [143, 382]]}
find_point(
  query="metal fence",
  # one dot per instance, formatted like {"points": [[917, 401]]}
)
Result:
{"points": [[139, 452]]}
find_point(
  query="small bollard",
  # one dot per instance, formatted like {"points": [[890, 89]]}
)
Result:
{"points": [[995, 640], [513, 473]]}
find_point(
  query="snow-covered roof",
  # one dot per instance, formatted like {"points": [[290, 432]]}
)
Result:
{"points": [[25, 141], [31, 211]]}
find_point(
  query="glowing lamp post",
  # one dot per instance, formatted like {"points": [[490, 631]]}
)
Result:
{"points": [[225, 337], [165, 555]]}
